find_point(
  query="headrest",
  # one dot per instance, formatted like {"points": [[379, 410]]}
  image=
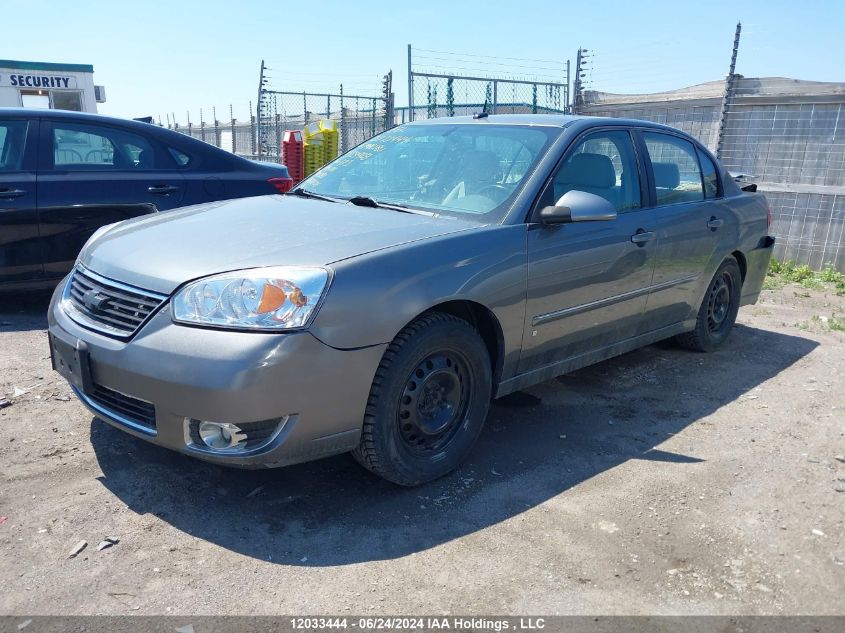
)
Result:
{"points": [[588, 170], [666, 175]]}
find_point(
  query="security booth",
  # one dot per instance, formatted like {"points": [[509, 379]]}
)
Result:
{"points": [[49, 85]]}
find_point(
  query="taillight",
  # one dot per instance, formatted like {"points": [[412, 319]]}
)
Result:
{"points": [[282, 185]]}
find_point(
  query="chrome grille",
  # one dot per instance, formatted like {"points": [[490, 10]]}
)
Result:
{"points": [[106, 305]]}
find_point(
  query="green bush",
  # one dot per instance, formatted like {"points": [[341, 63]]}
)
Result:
{"points": [[784, 272]]}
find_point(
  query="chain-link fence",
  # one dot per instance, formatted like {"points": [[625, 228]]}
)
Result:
{"points": [[444, 94], [789, 136], [238, 137], [357, 117]]}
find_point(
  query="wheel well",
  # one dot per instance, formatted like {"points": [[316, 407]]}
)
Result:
{"points": [[743, 265], [487, 325]]}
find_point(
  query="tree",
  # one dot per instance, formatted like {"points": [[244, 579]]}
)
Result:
{"points": [[450, 96]]}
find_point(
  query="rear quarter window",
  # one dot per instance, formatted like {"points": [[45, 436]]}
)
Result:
{"points": [[182, 159]]}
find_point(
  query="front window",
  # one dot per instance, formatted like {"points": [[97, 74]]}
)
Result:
{"points": [[461, 170]]}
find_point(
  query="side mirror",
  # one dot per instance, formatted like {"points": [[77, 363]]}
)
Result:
{"points": [[578, 206]]}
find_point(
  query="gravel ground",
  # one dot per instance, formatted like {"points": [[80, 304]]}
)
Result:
{"points": [[660, 482]]}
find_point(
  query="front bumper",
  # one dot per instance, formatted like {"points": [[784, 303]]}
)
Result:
{"points": [[319, 393]]}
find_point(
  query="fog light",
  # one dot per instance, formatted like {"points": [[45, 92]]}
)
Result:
{"points": [[221, 435]]}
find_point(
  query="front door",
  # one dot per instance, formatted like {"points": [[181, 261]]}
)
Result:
{"points": [[92, 175], [20, 250], [588, 281]]}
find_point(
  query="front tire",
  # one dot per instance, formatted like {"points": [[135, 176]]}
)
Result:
{"points": [[428, 401], [717, 314]]}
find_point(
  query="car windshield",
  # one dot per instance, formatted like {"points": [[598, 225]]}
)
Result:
{"points": [[460, 170]]}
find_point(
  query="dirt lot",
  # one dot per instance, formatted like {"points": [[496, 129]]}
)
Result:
{"points": [[660, 482]]}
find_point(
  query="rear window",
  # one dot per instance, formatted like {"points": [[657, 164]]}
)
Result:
{"points": [[677, 176]]}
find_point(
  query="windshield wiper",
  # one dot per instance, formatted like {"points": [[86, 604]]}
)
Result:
{"points": [[304, 193], [366, 201]]}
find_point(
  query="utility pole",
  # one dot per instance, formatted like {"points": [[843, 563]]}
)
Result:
{"points": [[727, 100]]}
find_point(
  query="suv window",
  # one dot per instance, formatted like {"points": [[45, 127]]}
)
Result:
{"points": [[711, 176], [92, 147], [677, 177], [604, 164], [12, 143]]}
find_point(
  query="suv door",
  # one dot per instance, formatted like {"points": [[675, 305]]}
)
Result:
{"points": [[690, 223], [95, 174], [588, 281], [20, 250]]}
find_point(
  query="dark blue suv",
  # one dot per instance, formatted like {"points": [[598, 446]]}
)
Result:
{"points": [[65, 174]]}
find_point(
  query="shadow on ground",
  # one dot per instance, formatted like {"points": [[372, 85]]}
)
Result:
{"points": [[21, 312], [332, 512]]}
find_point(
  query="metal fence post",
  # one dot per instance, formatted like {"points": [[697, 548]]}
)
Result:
{"points": [[232, 118], [495, 95], [729, 89], [410, 87], [252, 130], [344, 130], [216, 129], [277, 150]]}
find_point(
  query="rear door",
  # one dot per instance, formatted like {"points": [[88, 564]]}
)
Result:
{"points": [[690, 222], [93, 174], [588, 281], [20, 250]]}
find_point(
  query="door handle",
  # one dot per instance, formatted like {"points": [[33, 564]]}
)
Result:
{"points": [[8, 194], [714, 223], [641, 237], [162, 190]]}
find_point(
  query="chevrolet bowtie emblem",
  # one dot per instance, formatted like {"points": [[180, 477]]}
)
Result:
{"points": [[95, 301]]}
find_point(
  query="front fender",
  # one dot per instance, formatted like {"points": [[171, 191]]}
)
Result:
{"points": [[373, 296]]}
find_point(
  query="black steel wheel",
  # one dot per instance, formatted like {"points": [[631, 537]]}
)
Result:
{"points": [[717, 314], [428, 401], [434, 401]]}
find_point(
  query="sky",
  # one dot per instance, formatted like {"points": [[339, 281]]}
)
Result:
{"points": [[161, 57]]}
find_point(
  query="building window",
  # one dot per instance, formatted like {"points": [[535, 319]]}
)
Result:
{"points": [[56, 99], [67, 100], [35, 98]]}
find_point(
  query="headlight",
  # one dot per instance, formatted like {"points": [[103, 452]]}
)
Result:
{"points": [[279, 298]]}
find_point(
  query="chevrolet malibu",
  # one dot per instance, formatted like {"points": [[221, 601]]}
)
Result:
{"points": [[381, 305]]}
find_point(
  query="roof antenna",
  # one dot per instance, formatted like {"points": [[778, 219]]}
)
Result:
{"points": [[480, 115]]}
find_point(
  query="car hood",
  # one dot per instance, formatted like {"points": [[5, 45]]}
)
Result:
{"points": [[162, 251]]}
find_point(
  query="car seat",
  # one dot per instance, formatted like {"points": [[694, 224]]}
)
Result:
{"points": [[593, 173]]}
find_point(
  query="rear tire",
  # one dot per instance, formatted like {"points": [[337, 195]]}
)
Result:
{"points": [[717, 314], [428, 401]]}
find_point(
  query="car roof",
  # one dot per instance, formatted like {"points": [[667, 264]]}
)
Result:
{"points": [[547, 120], [90, 117], [162, 133]]}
